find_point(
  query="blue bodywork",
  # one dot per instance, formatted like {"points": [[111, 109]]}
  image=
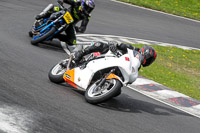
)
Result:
{"points": [[46, 29]]}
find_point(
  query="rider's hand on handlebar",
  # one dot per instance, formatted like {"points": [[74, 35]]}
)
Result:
{"points": [[113, 47]]}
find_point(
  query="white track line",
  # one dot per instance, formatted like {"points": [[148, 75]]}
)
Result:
{"points": [[138, 40], [197, 107], [156, 11], [125, 40], [14, 119], [142, 81]]}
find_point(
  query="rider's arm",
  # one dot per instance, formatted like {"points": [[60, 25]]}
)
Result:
{"points": [[97, 47], [70, 2], [124, 47], [83, 26]]}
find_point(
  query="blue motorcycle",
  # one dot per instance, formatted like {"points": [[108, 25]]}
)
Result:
{"points": [[46, 29]]}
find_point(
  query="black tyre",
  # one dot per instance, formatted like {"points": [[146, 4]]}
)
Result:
{"points": [[30, 34], [95, 95], [40, 38], [56, 74], [118, 93]]}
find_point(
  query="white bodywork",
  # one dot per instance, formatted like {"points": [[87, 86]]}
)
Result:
{"points": [[127, 63]]}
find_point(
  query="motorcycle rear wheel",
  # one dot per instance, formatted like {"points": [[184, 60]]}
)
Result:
{"points": [[111, 88], [43, 37], [56, 73]]}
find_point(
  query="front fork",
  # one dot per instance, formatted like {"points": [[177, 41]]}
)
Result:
{"points": [[58, 27], [104, 79]]}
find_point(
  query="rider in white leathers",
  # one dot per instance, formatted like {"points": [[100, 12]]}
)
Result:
{"points": [[143, 56]]}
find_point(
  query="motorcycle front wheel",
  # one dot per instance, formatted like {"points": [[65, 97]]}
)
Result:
{"points": [[42, 37], [56, 73], [109, 89]]}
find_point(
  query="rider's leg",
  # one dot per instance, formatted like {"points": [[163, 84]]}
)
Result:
{"points": [[69, 39], [71, 35], [78, 48], [97, 47]]}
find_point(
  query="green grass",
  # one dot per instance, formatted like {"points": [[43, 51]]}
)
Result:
{"points": [[185, 8], [175, 68]]}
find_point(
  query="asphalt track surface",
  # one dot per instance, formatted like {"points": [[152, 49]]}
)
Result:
{"points": [[30, 103]]}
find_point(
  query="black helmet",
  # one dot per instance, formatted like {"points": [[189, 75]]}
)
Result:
{"points": [[87, 5], [149, 55]]}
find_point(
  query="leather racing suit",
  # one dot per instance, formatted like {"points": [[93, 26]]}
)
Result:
{"points": [[104, 48]]}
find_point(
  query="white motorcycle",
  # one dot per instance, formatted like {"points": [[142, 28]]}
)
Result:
{"points": [[101, 77]]}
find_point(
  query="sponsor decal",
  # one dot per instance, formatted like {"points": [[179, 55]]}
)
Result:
{"points": [[67, 76], [127, 59]]}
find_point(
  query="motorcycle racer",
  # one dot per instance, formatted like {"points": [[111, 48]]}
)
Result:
{"points": [[80, 11], [104, 76], [146, 55]]}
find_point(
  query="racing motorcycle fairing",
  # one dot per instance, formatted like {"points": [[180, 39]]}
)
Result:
{"points": [[69, 77], [127, 64], [68, 18], [100, 77]]}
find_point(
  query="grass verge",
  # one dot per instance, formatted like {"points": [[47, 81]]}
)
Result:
{"points": [[175, 68], [185, 8]]}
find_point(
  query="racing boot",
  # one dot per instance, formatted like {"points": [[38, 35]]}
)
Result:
{"points": [[65, 47], [78, 56]]}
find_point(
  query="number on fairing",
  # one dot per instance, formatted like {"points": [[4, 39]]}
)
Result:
{"points": [[68, 18]]}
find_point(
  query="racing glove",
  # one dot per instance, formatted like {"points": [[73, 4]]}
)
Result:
{"points": [[113, 47], [136, 48]]}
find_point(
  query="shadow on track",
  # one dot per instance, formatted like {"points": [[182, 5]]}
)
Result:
{"points": [[125, 103], [50, 45]]}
